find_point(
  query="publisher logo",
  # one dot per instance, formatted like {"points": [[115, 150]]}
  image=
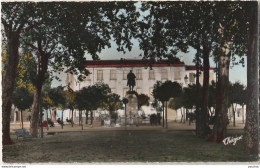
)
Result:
{"points": [[231, 140]]}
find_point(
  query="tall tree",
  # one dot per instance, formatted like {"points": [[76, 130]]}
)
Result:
{"points": [[142, 100], [79, 27], [164, 91], [22, 100], [71, 103], [233, 19], [235, 92], [16, 19], [252, 111]]}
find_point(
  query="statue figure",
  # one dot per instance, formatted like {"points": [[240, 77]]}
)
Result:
{"points": [[131, 80]]}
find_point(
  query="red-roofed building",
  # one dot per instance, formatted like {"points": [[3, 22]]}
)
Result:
{"points": [[114, 73]]}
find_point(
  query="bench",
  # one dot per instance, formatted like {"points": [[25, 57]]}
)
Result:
{"points": [[22, 133]]}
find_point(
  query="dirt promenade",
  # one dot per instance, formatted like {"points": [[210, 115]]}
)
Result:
{"points": [[172, 125]]}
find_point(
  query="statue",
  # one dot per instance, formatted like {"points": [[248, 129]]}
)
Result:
{"points": [[131, 80]]}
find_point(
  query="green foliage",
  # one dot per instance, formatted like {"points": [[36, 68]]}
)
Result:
{"points": [[58, 97], [237, 93], [142, 100], [22, 99], [92, 97], [112, 103], [176, 103], [170, 27], [164, 91], [190, 95]]}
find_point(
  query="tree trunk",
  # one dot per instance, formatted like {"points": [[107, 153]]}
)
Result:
{"points": [[22, 118], [91, 117], [252, 113], [8, 83], [47, 115], [41, 115], [43, 59], [166, 121], [220, 125], [86, 116], [35, 113], [79, 118], [72, 117], [62, 119], [203, 125], [181, 115], [197, 112], [243, 114], [184, 116], [234, 115], [163, 113]]}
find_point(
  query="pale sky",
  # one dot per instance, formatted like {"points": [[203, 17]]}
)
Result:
{"points": [[237, 73]]}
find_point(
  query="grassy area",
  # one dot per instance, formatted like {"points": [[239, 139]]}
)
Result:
{"points": [[124, 146]]}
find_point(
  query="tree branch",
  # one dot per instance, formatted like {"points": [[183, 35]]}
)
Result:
{"points": [[15, 11], [4, 22], [30, 26], [33, 46]]}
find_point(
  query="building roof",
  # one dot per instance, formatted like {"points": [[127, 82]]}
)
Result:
{"points": [[138, 63], [192, 67], [132, 63]]}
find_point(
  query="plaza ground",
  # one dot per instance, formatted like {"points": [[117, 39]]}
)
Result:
{"points": [[135, 144]]}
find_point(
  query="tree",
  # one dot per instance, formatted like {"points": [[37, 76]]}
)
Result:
{"points": [[112, 103], [79, 103], [164, 91], [71, 102], [233, 19], [235, 91], [59, 99], [142, 99], [22, 100], [54, 29], [177, 103], [212, 98], [16, 19], [252, 106]]}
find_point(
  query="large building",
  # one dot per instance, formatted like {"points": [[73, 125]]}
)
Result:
{"points": [[114, 73]]}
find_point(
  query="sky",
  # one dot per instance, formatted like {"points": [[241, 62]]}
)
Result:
{"points": [[237, 73]]}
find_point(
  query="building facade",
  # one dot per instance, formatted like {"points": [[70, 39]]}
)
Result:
{"points": [[114, 73]]}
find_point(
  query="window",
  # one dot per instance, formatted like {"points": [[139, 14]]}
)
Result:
{"points": [[192, 77], [125, 72], [138, 74], [151, 74], [113, 90], [139, 90], [177, 75], [99, 75], [112, 74], [164, 74]]}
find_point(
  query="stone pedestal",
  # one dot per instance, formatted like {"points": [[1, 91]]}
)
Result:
{"points": [[132, 106]]}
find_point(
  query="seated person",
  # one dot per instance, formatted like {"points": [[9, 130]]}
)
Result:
{"points": [[50, 122], [59, 121], [68, 120]]}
